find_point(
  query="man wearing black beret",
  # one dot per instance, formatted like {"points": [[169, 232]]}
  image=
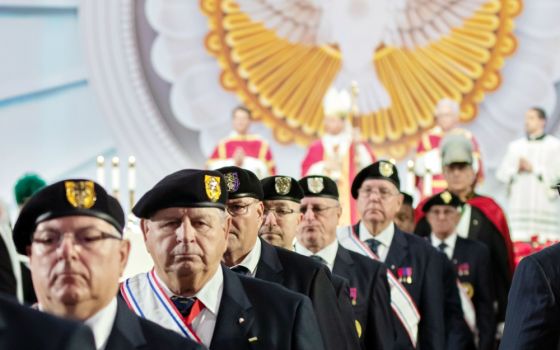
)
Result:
{"points": [[368, 287], [186, 230], [247, 254], [281, 199], [470, 260], [417, 283], [72, 232]]}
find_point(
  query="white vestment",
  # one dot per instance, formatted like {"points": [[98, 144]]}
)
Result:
{"points": [[533, 208]]}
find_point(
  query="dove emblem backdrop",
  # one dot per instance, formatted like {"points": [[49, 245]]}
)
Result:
{"points": [[280, 57]]}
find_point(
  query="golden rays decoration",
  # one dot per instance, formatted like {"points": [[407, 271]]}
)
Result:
{"points": [[284, 83]]}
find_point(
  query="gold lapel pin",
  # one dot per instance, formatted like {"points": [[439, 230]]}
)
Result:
{"points": [[241, 320], [253, 339]]}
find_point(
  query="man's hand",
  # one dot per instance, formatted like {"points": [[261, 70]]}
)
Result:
{"points": [[238, 156], [525, 165]]}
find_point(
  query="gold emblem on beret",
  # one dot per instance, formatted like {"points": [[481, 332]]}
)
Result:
{"points": [[80, 194], [315, 184], [468, 288], [446, 197], [282, 185], [212, 187], [386, 169]]}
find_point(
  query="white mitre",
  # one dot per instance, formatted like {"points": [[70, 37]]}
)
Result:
{"points": [[337, 102]]}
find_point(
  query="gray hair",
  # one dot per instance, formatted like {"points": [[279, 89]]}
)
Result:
{"points": [[449, 103]]}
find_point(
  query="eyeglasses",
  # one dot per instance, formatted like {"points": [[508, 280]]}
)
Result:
{"points": [[315, 209], [383, 193], [279, 212], [235, 209], [88, 239]]}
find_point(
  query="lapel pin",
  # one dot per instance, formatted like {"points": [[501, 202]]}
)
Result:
{"points": [[253, 339], [241, 320]]}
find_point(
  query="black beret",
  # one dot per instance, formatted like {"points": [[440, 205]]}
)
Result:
{"points": [[407, 199], [70, 197], [281, 187], [442, 198], [241, 183], [319, 186], [188, 188], [379, 170]]}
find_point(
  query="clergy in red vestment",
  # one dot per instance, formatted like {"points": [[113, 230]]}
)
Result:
{"points": [[339, 154], [248, 151], [428, 157]]}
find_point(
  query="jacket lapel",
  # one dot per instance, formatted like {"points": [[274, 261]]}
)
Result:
{"points": [[126, 332], [234, 324], [343, 262], [269, 267], [398, 250]]}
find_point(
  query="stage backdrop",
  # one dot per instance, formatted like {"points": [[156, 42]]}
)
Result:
{"points": [[157, 79]]}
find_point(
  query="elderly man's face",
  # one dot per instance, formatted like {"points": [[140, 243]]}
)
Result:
{"points": [[76, 262], [378, 201], [446, 117], [443, 219], [320, 218], [186, 242], [247, 216], [281, 218]]}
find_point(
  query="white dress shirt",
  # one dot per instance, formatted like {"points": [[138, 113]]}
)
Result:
{"points": [[385, 237], [449, 241], [101, 324], [328, 253], [252, 259], [210, 295], [465, 222]]}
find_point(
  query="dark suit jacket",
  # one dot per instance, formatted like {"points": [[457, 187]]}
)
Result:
{"points": [[426, 287], [533, 314], [342, 289], [372, 305], [481, 229], [274, 316], [24, 328], [7, 278], [303, 275], [476, 255], [133, 332]]}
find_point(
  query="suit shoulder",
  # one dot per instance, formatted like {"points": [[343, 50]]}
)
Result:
{"points": [[301, 262], [262, 290], [164, 338], [547, 257], [366, 263], [474, 246]]}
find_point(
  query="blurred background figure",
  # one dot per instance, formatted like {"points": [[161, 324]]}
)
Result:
{"points": [[405, 216]]}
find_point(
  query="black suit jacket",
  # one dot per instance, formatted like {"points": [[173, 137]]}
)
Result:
{"points": [[303, 275], [426, 287], [481, 229], [342, 289], [372, 305], [533, 314], [24, 328], [256, 314], [476, 255], [133, 332]]}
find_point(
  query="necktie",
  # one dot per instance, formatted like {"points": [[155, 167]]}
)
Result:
{"points": [[183, 304], [442, 247], [241, 270], [318, 259], [373, 244]]}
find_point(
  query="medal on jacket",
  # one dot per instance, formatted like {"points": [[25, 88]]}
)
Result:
{"points": [[353, 295], [463, 269], [405, 274]]}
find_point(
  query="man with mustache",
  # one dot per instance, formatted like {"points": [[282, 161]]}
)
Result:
{"points": [[249, 255], [186, 230], [72, 232]]}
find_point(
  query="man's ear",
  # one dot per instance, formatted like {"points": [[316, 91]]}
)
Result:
{"points": [[145, 228]]}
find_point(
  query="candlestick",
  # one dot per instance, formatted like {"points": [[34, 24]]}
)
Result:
{"points": [[101, 170], [115, 177]]}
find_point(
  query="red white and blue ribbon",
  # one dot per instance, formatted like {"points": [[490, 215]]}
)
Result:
{"points": [[401, 302], [145, 297]]}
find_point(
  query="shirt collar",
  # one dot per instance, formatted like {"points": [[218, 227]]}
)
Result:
{"points": [[328, 253], [209, 295], [101, 324], [385, 237], [449, 241], [536, 138], [252, 259]]}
